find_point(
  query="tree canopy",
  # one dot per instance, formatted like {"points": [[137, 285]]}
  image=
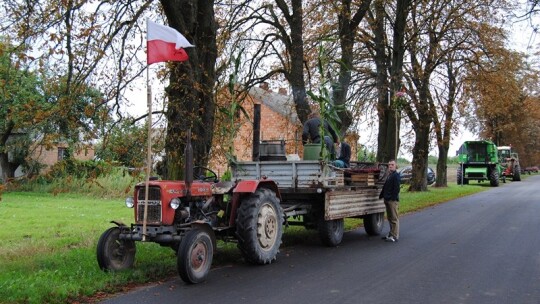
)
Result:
{"points": [[400, 65]]}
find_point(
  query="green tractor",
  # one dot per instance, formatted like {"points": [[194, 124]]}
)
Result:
{"points": [[478, 160], [509, 163]]}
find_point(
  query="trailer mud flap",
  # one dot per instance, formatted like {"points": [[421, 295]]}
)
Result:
{"points": [[345, 203]]}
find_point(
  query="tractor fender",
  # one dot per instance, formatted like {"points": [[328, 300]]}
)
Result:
{"points": [[250, 186], [118, 223], [246, 187]]}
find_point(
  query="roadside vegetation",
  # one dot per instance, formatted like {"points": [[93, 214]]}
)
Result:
{"points": [[48, 238]]}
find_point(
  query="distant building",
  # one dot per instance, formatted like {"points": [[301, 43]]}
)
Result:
{"points": [[48, 155]]}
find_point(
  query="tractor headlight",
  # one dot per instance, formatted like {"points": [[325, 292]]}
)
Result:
{"points": [[175, 203], [130, 202]]}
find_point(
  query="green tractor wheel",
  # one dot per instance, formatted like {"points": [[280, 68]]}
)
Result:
{"points": [[494, 178], [460, 177]]}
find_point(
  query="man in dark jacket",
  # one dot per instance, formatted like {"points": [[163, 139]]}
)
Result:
{"points": [[390, 194], [311, 133]]}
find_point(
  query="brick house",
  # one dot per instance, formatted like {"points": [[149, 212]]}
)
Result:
{"points": [[51, 154], [278, 122]]}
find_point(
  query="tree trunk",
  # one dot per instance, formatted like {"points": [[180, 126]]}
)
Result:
{"points": [[420, 158], [443, 129], [8, 169], [296, 77], [442, 169], [383, 98], [348, 26], [190, 92], [389, 119], [421, 126]]}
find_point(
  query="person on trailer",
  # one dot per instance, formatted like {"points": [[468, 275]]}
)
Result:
{"points": [[343, 155], [311, 133]]}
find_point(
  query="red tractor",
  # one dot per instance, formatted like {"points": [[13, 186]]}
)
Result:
{"points": [[187, 218], [509, 162]]}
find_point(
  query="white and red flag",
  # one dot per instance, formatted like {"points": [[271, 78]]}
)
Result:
{"points": [[165, 44]]}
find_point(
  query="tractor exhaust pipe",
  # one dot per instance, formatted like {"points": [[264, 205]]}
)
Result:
{"points": [[188, 166], [256, 132]]}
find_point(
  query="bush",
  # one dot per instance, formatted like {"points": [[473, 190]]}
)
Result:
{"points": [[79, 169]]}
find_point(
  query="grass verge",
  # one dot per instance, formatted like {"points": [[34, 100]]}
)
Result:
{"points": [[48, 243]]}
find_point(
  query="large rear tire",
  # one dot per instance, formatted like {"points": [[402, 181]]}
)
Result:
{"points": [[115, 254], [259, 227], [331, 232], [373, 223], [517, 174], [194, 257]]}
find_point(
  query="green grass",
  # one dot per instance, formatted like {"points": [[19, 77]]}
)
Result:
{"points": [[48, 244], [47, 248]]}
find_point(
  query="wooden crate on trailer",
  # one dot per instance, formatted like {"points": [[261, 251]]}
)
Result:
{"points": [[335, 179], [363, 178]]}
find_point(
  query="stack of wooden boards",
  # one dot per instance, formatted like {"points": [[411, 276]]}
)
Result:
{"points": [[361, 177]]}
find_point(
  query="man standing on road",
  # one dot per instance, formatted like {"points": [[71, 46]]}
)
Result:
{"points": [[390, 194]]}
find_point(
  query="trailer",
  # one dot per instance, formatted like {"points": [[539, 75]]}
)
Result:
{"points": [[319, 196]]}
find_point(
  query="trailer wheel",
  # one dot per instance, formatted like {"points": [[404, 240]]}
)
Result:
{"points": [[113, 253], [331, 232], [259, 227], [494, 178], [517, 174], [194, 257], [373, 223]]}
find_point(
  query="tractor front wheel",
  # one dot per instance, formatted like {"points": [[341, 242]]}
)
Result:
{"points": [[494, 178], [113, 253], [194, 257], [461, 178], [259, 227]]}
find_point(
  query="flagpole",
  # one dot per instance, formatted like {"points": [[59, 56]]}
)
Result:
{"points": [[148, 150]]}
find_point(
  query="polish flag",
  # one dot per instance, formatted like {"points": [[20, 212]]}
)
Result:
{"points": [[165, 44]]}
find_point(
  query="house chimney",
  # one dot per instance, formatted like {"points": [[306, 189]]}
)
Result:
{"points": [[265, 86], [282, 91]]}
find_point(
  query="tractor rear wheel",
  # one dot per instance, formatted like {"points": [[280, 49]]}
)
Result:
{"points": [[494, 178], [373, 223], [194, 256], [517, 174], [113, 253], [259, 227], [331, 232]]}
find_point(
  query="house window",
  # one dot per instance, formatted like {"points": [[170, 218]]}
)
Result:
{"points": [[61, 153]]}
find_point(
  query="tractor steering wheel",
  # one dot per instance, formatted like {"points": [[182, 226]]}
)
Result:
{"points": [[201, 173]]}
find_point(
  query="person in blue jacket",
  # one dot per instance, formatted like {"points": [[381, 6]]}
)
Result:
{"points": [[390, 194]]}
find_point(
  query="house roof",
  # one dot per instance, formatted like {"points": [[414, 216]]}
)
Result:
{"points": [[280, 103]]}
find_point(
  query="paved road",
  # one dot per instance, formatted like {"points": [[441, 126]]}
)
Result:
{"points": [[484, 248]]}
